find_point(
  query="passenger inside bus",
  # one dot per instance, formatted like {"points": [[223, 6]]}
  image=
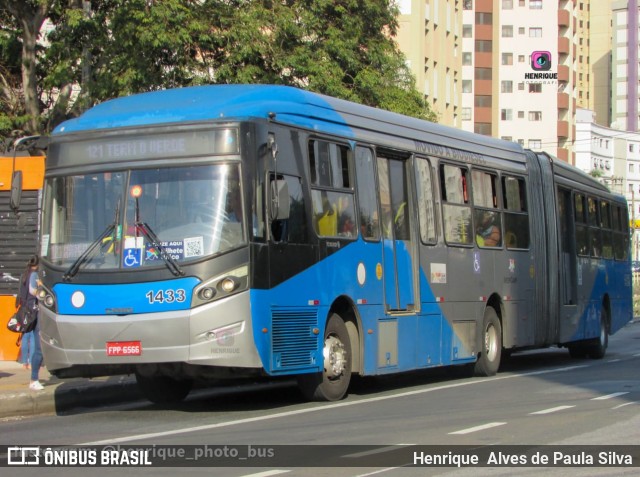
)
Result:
{"points": [[487, 232]]}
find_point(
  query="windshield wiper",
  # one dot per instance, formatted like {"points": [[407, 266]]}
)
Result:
{"points": [[75, 266], [172, 265]]}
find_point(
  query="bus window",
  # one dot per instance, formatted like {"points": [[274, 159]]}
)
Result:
{"points": [[516, 218], [485, 199], [366, 187], [456, 212], [595, 235], [607, 234], [620, 233], [332, 195], [582, 233], [426, 212], [294, 228]]}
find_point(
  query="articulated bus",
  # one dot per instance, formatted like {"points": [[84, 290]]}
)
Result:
{"points": [[231, 231], [21, 176]]}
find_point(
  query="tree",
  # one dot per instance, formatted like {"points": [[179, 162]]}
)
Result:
{"points": [[101, 49]]}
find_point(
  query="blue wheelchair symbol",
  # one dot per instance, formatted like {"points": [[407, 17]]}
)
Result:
{"points": [[132, 257]]}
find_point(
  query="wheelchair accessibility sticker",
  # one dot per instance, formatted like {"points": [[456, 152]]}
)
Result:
{"points": [[131, 257]]}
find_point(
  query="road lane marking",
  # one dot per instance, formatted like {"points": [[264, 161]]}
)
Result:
{"points": [[267, 473], [550, 410], [376, 451], [624, 404], [325, 407], [610, 396], [469, 430]]}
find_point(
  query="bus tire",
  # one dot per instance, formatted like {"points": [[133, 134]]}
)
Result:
{"points": [[163, 389], [598, 347], [491, 345], [333, 382]]}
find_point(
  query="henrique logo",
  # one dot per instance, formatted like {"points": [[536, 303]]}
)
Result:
{"points": [[541, 61]]}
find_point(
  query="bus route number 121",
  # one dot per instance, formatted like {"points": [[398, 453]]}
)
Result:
{"points": [[166, 296]]}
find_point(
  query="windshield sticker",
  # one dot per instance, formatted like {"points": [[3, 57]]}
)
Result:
{"points": [[44, 245], [173, 248], [193, 247], [132, 257]]}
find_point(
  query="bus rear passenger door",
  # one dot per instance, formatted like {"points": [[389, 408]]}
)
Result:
{"points": [[399, 267]]}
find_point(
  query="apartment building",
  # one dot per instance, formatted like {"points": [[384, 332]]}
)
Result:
{"points": [[516, 60], [624, 65], [429, 36]]}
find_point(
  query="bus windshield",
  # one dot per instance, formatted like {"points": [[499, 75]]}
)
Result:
{"points": [[130, 219]]}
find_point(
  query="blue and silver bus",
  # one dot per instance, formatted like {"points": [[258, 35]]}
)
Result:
{"points": [[232, 231]]}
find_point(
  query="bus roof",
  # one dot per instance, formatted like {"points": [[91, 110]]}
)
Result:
{"points": [[240, 102]]}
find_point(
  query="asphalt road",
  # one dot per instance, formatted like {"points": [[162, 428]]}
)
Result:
{"points": [[539, 398]]}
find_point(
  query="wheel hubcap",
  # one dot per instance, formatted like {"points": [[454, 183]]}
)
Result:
{"points": [[335, 357], [491, 343]]}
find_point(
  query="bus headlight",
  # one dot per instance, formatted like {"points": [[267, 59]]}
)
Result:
{"points": [[221, 286], [46, 297]]}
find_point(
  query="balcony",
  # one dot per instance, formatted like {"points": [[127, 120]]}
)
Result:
{"points": [[482, 115], [564, 45], [564, 18], [563, 129], [563, 101], [563, 73], [482, 87], [563, 154]]}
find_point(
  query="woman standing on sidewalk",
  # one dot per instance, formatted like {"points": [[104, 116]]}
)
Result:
{"points": [[29, 284]]}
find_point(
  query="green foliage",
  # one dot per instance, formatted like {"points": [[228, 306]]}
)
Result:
{"points": [[342, 48]]}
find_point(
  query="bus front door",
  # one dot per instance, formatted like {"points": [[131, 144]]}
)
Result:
{"points": [[398, 254]]}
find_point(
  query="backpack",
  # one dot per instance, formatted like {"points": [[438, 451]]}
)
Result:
{"points": [[25, 318]]}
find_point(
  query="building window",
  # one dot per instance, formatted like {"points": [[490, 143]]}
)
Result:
{"points": [[521, 31], [535, 143], [506, 138], [507, 31], [482, 128], [482, 73], [507, 58], [521, 86], [535, 4], [506, 86], [631, 168], [467, 5], [466, 114], [535, 32], [482, 101], [484, 46], [467, 31], [521, 142], [507, 4], [467, 86], [506, 114], [466, 59], [484, 18], [520, 114], [521, 3], [535, 87], [535, 115], [630, 147], [520, 58]]}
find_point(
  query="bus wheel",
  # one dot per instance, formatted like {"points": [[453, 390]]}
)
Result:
{"points": [[489, 360], [598, 347], [332, 383], [163, 389]]}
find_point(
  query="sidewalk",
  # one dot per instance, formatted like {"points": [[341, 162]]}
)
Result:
{"points": [[58, 396]]}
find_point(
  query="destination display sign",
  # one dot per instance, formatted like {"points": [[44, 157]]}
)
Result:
{"points": [[149, 146]]}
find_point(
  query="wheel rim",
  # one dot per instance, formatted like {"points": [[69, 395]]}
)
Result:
{"points": [[335, 357], [491, 342]]}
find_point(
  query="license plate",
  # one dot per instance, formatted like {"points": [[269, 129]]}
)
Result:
{"points": [[124, 348]]}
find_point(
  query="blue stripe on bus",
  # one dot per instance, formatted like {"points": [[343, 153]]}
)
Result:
{"points": [[149, 297]]}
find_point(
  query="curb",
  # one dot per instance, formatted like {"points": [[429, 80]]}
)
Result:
{"points": [[65, 397]]}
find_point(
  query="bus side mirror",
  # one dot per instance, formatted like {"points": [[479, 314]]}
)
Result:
{"points": [[280, 201], [16, 190]]}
